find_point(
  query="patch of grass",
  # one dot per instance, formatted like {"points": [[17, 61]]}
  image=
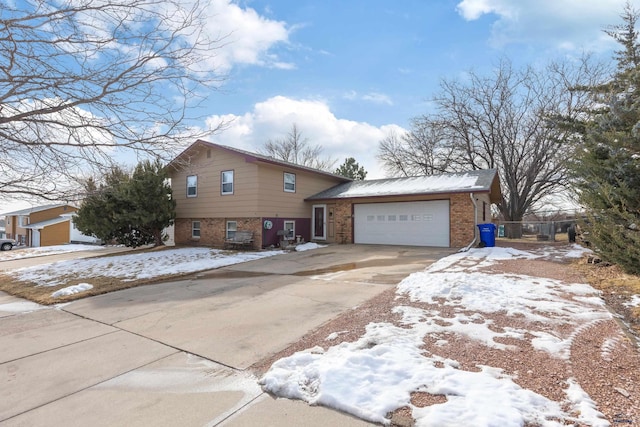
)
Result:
{"points": [[101, 285], [617, 289]]}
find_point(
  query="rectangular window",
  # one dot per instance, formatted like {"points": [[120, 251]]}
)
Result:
{"points": [[290, 182], [370, 218], [227, 182], [192, 186], [404, 217], [391, 217], [290, 228], [381, 218], [428, 217], [232, 227], [195, 229]]}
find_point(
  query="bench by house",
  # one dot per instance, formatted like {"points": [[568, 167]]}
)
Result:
{"points": [[241, 240]]}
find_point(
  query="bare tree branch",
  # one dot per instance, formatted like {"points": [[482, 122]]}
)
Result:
{"points": [[505, 121], [295, 149], [84, 80]]}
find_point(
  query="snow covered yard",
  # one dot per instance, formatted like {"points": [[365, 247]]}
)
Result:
{"points": [[20, 252], [473, 341], [72, 279]]}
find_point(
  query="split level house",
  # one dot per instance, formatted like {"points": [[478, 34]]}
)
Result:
{"points": [[221, 190], [46, 225]]}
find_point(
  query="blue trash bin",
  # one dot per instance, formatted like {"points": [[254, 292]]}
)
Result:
{"points": [[487, 234]]}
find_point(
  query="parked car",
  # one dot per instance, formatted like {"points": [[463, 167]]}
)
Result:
{"points": [[7, 244]]}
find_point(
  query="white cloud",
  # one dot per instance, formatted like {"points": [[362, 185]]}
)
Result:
{"points": [[563, 24], [244, 36], [249, 35], [371, 97], [272, 119], [377, 98]]}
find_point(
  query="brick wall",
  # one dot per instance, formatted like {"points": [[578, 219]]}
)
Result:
{"points": [[344, 222], [213, 231], [462, 224]]}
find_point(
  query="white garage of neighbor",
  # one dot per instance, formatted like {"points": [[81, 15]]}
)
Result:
{"points": [[423, 223]]}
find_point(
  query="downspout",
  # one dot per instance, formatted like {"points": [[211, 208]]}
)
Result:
{"points": [[475, 220]]}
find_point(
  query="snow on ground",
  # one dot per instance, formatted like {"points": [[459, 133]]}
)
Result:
{"points": [[136, 266], [26, 252], [633, 302], [376, 374], [308, 246], [71, 290], [21, 307]]}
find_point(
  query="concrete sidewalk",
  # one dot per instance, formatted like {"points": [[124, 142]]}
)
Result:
{"points": [[177, 353]]}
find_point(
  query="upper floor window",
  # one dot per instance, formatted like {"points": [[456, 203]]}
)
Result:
{"points": [[290, 182], [192, 186], [227, 182]]}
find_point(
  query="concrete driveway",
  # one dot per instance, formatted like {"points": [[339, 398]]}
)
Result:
{"points": [[177, 353]]}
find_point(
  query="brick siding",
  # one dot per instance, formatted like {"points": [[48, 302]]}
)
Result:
{"points": [[213, 231]]}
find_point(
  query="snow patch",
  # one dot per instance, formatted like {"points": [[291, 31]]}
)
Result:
{"points": [[21, 307], [137, 266], [308, 246], [71, 290], [376, 374]]}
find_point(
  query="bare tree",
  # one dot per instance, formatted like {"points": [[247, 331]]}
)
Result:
{"points": [[295, 149], [82, 81], [421, 151], [505, 121]]}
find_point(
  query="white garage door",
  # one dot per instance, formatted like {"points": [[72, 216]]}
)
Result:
{"points": [[406, 223]]}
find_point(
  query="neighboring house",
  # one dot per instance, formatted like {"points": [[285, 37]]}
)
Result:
{"points": [[44, 226], [220, 190]]}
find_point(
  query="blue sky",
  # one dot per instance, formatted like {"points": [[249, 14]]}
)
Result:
{"points": [[348, 72]]}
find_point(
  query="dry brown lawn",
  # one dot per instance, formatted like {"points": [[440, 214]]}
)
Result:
{"points": [[42, 294], [101, 284]]}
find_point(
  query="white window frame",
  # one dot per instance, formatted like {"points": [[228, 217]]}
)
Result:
{"points": [[196, 230], [292, 229], [224, 182], [194, 179], [290, 182], [230, 230]]}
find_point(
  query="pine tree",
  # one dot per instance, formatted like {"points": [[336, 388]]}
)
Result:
{"points": [[351, 169], [131, 209], [607, 165]]}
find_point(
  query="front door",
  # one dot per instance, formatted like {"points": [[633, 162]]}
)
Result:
{"points": [[319, 222]]}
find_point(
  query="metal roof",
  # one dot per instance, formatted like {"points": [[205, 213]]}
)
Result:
{"points": [[42, 224], [477, 181], [31, 210]]}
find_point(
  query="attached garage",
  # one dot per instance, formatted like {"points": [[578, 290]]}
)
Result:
{"points": [[435, 210], [402, 223]]}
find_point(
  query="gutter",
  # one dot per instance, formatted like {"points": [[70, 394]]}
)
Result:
{"points": [[475, 219]]}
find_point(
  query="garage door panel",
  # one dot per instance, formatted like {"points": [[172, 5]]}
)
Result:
{"points": [[403, 223]]}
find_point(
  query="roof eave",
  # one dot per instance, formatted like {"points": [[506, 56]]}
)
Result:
{"points": [[382, 196]]}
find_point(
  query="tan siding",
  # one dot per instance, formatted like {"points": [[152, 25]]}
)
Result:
{"points": [[274, 201], [209, 201], [258, 188], [50, 213]]}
